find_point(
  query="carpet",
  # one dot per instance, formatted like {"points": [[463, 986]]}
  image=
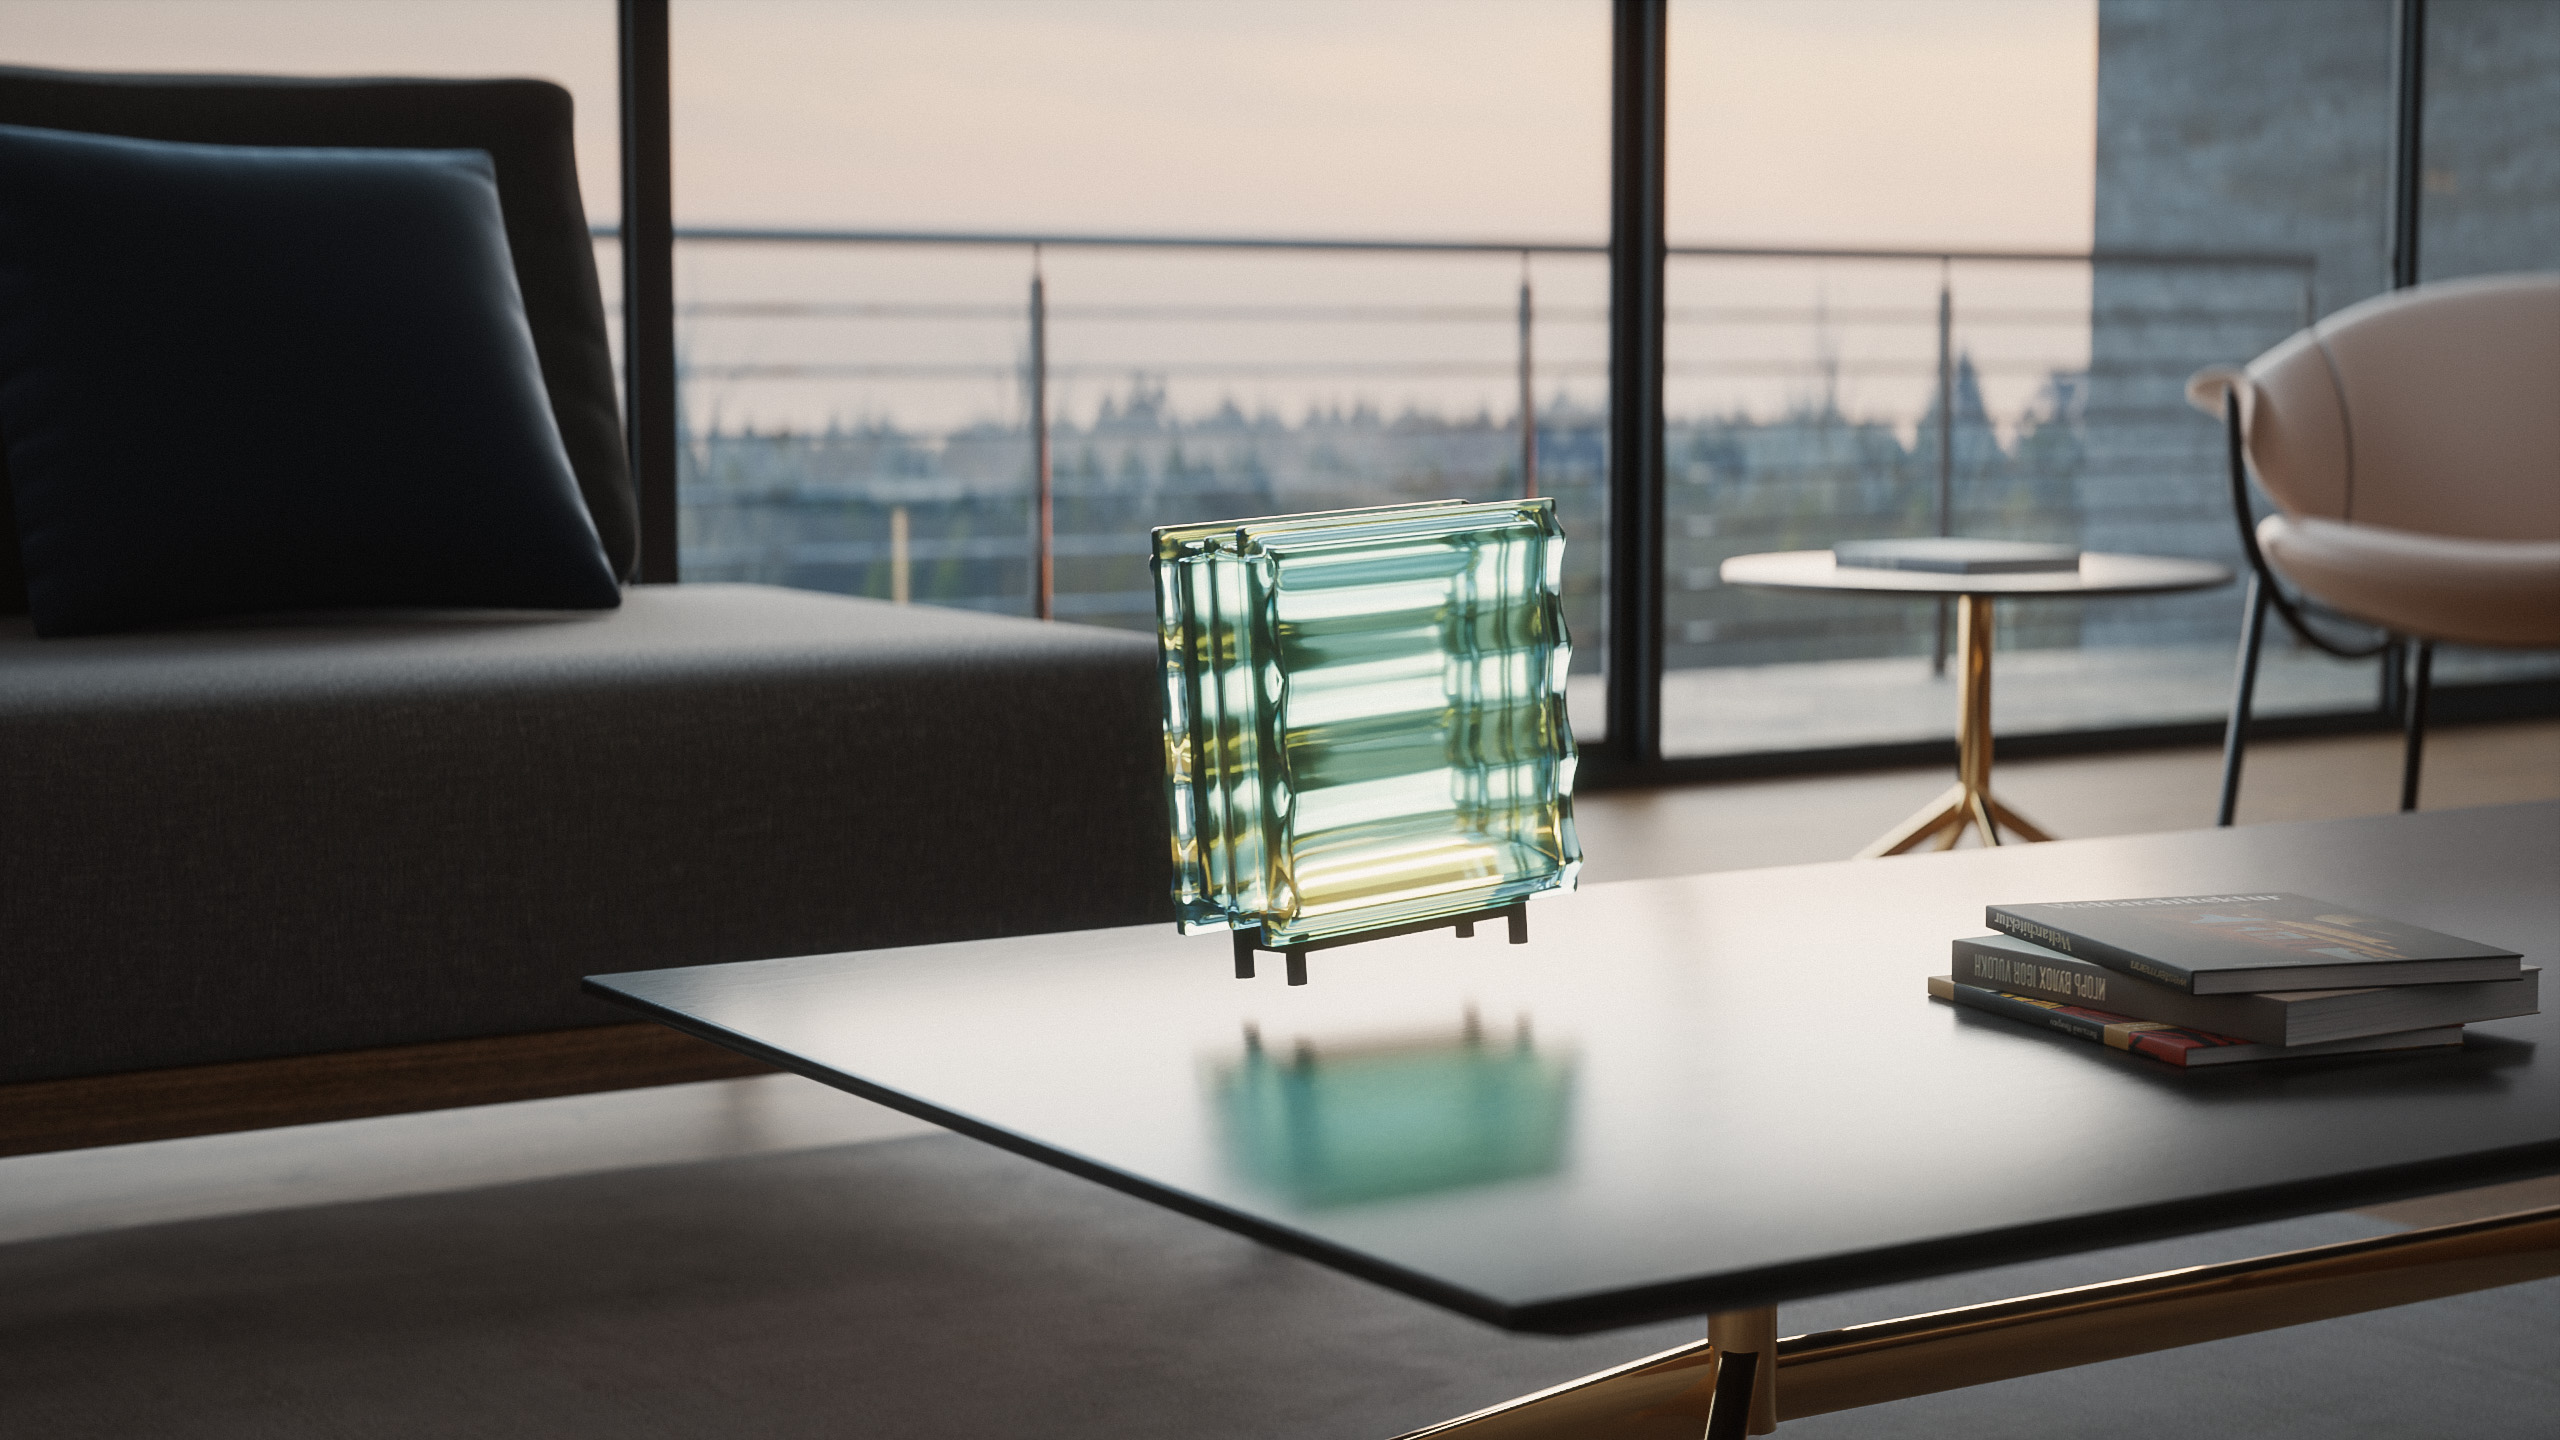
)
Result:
{"points": [[933, 1287]]}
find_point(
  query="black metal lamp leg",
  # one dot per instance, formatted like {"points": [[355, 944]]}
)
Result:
{"points": [[2244, 691], [2414, 724]]}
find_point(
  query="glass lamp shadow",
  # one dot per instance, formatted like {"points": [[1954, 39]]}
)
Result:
{"points": [[1328, 1125], [1364, 717]]}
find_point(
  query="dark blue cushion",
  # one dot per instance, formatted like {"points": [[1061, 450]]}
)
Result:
{"points": [[237, 379]]}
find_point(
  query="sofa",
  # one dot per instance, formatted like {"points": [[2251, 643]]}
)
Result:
{"points": [[307, 866]]}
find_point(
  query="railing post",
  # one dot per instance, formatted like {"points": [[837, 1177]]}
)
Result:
{"points": [[1528, 393], [1946, 441], [901, 566], [1044, 578]]}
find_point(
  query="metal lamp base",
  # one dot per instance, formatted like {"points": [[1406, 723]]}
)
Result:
{"points": [[1249, 940]]}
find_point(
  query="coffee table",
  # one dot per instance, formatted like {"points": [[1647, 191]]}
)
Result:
{"points": [[1969, 803], [1719, 1093]]}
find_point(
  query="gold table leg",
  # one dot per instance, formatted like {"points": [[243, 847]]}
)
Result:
{"points": [[1733, 1332], [1969, 805]]}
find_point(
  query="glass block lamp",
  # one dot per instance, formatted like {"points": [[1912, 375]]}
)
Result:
{"points": [[1365, 726]]}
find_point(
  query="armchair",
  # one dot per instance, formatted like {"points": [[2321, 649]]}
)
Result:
{"points": [[2411, 444]]}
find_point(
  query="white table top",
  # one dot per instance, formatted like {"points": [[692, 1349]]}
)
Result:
{"points": [[2099, 574]]}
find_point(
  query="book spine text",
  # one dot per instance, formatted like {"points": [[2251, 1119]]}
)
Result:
{"points": [[2002, 970]]}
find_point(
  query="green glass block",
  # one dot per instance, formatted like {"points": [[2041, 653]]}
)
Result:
{"points": [[1365, 716]]}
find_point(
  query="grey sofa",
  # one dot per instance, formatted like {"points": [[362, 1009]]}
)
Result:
{"points": [[233, 856], [246, 842]]}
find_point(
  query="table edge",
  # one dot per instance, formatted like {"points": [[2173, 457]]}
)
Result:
{"points": [[1782, 1282], [1694, 1295]]}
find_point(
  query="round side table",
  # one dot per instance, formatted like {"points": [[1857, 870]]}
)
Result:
{"points": [[1969, 804]]}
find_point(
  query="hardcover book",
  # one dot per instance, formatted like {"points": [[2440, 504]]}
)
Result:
{"points": [[2234, 944], [2172, 1044], [2279, 1017]]}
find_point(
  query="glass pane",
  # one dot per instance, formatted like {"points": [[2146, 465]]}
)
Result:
{"points": [[2199, 182], [858, 408], [2194, 154], [569, 42], [1803, 386], [2491, 196], [2489, 201]]}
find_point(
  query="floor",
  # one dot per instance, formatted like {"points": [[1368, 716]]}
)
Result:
{"points": [[559, 1267], [1737, 709], [1627, 835], [933, 1288], [1631, 835]]}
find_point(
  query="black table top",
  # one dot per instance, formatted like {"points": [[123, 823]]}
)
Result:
{"points": [[1688, 1094]]}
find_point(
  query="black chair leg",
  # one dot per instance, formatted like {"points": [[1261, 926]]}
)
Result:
{"points": [[2244, 691], [2414, 724]]}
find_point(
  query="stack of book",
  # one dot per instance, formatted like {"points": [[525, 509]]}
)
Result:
{"points": [[2215, 979]]}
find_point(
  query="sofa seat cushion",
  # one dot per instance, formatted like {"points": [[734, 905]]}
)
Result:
{"points": [[238, 843]]}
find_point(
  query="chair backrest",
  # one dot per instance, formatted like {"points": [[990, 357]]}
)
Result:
{"points": [[2435, 409], [525, 127]]}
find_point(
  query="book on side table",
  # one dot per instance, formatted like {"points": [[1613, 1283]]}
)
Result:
{"points": [[1955, 555]]}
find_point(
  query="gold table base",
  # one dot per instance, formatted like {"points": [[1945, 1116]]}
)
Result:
{"points": [[1675, 1395], [1969, 803]]}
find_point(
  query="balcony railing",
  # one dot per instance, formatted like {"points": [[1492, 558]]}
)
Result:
{"points": [[858, 425], [1774, 423]]}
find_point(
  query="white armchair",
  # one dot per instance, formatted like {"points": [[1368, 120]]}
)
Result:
{"points": [[2411, 445]]}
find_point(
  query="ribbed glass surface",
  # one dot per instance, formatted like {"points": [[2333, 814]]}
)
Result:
{"points": [[1365, 716]]}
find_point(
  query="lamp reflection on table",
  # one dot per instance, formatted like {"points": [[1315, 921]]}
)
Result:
{"points": [[1332, 1123]]}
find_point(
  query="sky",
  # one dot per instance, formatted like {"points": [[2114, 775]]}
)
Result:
{"points": [[1799, 122]]}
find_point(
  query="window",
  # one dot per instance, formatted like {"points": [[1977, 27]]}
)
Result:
{"points": [[1932, 268], [569, 42], [1238, 258]]}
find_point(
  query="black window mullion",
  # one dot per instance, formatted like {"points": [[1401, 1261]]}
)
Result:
{"points": [[1636, 260], [649, 283]]}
